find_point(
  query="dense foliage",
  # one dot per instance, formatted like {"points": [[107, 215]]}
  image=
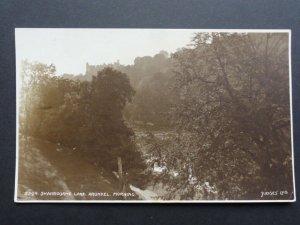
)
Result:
{"points": [[85, 116], [151, 78], [233, 116]]}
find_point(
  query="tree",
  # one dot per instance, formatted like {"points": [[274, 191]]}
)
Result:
{"points": [[33, 77], [104, 133], [233, 113]]}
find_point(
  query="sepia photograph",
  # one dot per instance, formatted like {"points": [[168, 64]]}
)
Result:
{"points": [[153, 115]]}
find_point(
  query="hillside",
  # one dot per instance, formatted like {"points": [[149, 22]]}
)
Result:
{"points": [[47, 167]]}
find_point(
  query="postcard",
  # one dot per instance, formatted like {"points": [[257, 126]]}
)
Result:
{"points": [[153, 115]]}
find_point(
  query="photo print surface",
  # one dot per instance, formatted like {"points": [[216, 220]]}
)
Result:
{"points": [[153, 115]]}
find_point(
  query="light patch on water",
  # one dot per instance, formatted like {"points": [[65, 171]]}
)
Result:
{"points": [[144, 194]]}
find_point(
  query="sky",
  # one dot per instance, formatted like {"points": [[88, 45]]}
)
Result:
{"points": [[70, 49]]}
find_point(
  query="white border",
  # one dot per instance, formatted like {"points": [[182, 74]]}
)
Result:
{"points": [[161, 201]]}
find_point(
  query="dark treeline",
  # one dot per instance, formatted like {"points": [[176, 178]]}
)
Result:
{"points": [[225, 98]]}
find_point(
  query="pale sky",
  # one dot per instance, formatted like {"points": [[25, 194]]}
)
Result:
{"points": [[70, 49]]}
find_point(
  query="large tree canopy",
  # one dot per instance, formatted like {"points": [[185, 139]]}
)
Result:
{"points": [[233, 114]]}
